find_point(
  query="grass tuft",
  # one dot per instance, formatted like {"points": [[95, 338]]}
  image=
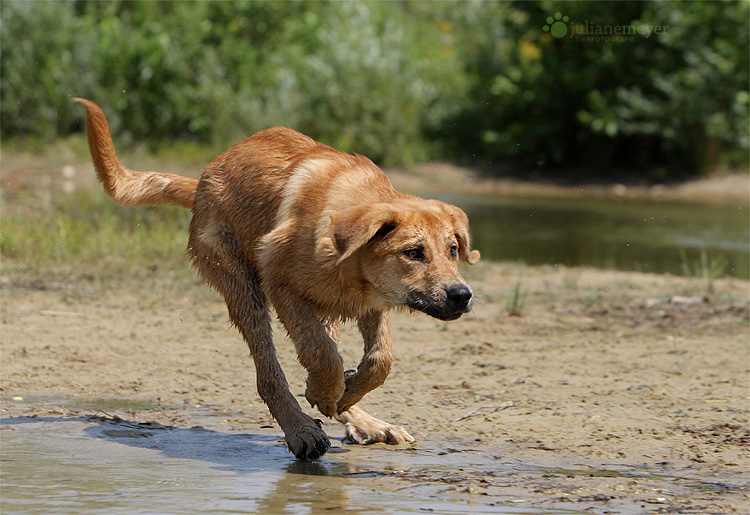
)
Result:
{"points": [[517, 300], [707, 269]]}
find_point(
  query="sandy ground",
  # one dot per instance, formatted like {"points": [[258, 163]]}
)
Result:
{"points": [[607, 378], [629, 390]]}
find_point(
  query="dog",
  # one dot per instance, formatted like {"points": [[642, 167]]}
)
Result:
{"points": [[322, 236]]}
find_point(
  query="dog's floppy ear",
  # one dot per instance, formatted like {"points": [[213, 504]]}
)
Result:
{"points": [[353, 227], [461, 226]]}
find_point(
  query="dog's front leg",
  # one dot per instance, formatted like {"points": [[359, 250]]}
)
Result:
{"points": [[316, 349], [360, 426], [376, 361]]}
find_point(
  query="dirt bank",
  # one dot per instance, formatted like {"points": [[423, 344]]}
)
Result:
{"points": [[641, 376], [439, 178]]}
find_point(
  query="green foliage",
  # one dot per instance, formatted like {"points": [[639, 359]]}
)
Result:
{"points": [[397, 81], [677, 99], [350, 74], [691, 96]]}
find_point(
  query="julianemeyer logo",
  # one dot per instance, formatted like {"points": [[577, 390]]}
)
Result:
{"points": [[561, 26]]}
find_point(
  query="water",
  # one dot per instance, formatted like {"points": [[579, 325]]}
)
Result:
{"points": [[87, 465], [681, 239], [83, 465]]}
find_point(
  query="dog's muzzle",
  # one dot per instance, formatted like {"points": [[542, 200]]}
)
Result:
{"points": [[458, 300]]}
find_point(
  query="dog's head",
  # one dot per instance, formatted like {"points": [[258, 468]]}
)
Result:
{"points": [[406, 253]]}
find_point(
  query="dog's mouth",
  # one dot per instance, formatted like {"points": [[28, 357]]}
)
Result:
{"points": [[437, 310]]}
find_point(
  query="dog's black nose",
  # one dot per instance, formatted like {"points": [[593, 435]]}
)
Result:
{"points": [[459, 295]]}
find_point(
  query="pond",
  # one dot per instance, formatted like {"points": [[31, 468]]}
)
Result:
{"points": [[683, 239]]}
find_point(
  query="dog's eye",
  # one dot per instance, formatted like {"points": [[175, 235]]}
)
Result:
{"points": [[454, 251], [415, 254]]}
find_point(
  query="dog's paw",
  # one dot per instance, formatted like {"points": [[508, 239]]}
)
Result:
{"points": [[324, 396], [356, 388], [362, 428], [387, 433], [352, 395], [309, 441]]}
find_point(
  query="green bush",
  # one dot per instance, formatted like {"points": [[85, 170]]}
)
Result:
{"points": [[350, 74], [678, 99], [397, 81]]}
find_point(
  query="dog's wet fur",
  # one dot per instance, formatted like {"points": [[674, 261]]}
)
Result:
{"points": [[282, 221]]}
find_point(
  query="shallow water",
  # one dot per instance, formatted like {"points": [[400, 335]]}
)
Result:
{"points": [[89, 465], [611, 234], [96, 464]]}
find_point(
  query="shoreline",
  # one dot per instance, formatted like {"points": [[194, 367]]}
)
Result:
{"points": [[441, 177]]}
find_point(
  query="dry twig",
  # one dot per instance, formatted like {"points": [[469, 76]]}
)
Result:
{"points": [[497, 407]]}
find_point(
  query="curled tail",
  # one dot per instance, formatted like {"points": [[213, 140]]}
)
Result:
{"points": [[128, 187]]}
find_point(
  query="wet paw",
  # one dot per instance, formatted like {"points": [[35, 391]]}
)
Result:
{"points": [[352, 395], [308, 442], [362, 428], [325, 397]]}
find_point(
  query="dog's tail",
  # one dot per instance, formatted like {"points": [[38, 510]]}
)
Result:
{"points": [[128, 187]]}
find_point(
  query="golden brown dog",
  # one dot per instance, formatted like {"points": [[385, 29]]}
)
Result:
{"points": [[323, 237]]}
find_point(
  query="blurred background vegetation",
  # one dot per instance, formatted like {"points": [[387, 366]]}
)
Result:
{"points": [[474, 82]]}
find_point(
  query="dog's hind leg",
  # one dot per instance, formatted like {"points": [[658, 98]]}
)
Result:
{"points": [[240, 285]]}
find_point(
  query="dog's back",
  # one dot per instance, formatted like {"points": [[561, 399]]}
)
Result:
{"points": [[277, 175]]}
